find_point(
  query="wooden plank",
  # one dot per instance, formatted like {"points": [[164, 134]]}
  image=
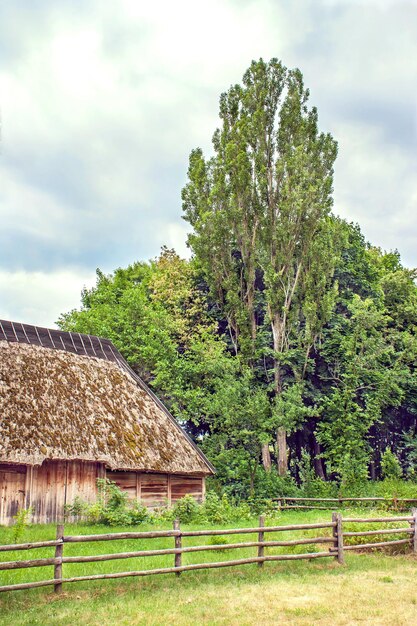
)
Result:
{"points": [[28, 486], [186, 485], [59, 551], [41, 583], [377, 499], [3, 517], [178, 545], [338, 537], [12, 491], [383, 531], [266, 529], [9, 565], [12, 468], [169, 570], [301, 506], [169, 490], [372, 520], [113, 536], [191, 533], [207, 548], [82, 481], [28, 546], [154, 489], [261, 538], [380, 544]]}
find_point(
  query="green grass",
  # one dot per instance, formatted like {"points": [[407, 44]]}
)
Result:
{"points": [[375, 586]]}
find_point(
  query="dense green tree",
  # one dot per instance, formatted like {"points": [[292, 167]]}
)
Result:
{"points": [[286, 323], [260, 215], [157, 316]]}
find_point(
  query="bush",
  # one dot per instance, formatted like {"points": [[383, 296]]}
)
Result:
{"points": [[22, 521], [311, 485], [223, 510], [112, 507], [186, 509], [218, 541], [390, 465], [77, 509], [270, 485]]}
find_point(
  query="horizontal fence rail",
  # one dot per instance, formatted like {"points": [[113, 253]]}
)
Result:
{"points": [[286, 502], [336, 549]]}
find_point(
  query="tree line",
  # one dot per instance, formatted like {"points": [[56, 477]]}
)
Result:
{"points": [[287, 343]]}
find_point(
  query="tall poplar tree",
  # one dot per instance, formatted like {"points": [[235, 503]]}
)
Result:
{"points": [[260, 212]]}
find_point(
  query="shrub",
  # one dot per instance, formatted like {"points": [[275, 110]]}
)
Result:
{"points": [[112, 507], [186, 509], [223, 510], [310, 484], [22, 521], [270, 485], [390, 465], [218, 541], [78, 508]]}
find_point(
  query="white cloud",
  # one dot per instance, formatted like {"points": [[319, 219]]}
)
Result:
{"points": [[367, 189], [102, 103], [38, 297]]}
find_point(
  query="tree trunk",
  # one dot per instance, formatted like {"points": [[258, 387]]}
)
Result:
{"points": [[277, 333], [318, 462], [252, 472], [373, 470], [282, 451], [266, 457]]}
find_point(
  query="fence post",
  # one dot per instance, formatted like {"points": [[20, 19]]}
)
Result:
{"points": [[261, 536], [338, 537], [178, 545], [414, 526], [59, 551]]}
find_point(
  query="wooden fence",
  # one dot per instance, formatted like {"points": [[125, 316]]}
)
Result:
{"points": [[394, 503], [335, 538]]}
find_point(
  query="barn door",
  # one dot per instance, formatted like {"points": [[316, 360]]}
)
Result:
{"points": [[12, 491]]}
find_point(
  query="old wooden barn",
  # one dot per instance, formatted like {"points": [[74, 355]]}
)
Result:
{"points": [[72, 411]]}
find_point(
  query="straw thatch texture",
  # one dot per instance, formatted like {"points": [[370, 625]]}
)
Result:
{"points": [[58, 405]]}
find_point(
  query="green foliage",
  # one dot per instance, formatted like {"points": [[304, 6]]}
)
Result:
{"points": [[310, 484], [408, 449], [222, 510], [271, 485], [355, 541], [217, 540], [285, 320], [289, 408], [112, 507], [21, 522], [77, 508], [390, 465], [394, 488], [186, 509], [262, 231]]}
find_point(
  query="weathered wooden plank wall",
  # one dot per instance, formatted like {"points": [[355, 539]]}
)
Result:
{"points": [[12, 491], [156, 490], [56, 483], [183, 485], [48, 487]]}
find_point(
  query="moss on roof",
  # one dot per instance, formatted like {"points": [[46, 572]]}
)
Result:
{"points": [[58, 405]]}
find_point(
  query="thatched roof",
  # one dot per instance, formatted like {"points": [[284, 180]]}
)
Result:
{"points": [[59, 402]]}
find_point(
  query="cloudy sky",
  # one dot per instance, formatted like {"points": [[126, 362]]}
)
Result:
{"points": [[102, 102]]}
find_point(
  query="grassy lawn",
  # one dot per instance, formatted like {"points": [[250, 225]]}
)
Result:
{"points": [[377, 588]]}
